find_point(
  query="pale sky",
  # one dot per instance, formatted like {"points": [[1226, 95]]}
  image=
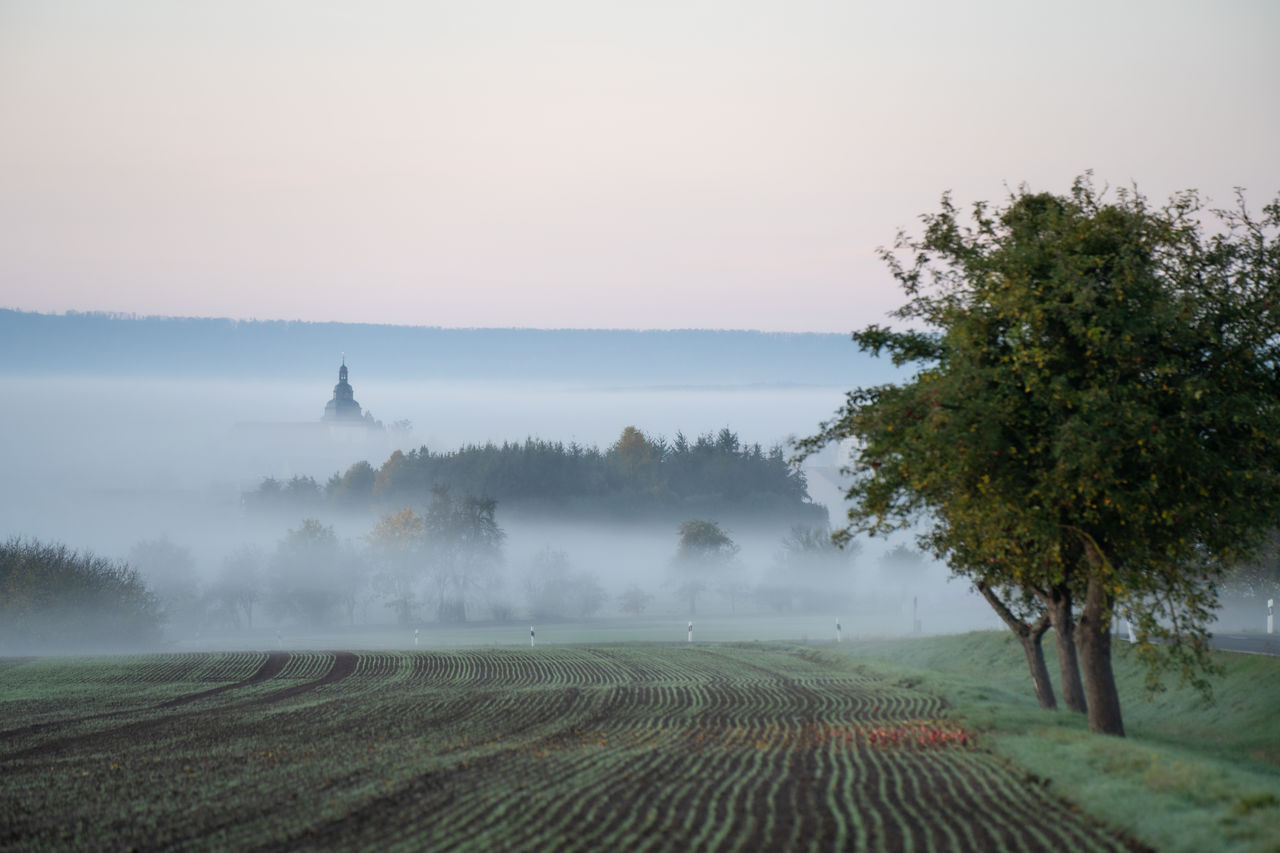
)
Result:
{"points": [[553, 164]]}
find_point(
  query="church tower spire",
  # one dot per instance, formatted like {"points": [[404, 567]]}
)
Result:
{"points": [[343, 406]]}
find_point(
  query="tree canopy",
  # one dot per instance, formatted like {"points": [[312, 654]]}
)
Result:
{"points": [[1096, 412], [637, 477], [397, 549], [312, 575], [55, 599], [464, 550], [704, 553]]}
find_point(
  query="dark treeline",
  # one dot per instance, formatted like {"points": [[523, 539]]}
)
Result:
{"points": [[55, 599], [637, 476]]}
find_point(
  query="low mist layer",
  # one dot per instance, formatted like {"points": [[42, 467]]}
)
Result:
{"points": [[153, 475]]}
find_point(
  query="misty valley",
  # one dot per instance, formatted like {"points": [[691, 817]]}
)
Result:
{"points": [[732, 642], [484, 535], [249, 518], [640, 427]]}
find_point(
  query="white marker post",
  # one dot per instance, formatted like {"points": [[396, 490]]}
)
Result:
{"points": [[1271, 615], [691, 632], [837, 630], [415, 638], [532, 643], [1133, 638]]}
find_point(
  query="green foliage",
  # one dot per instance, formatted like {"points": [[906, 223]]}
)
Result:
{"points": [[704, 542], [464, 543], [299, 493], [355, 487], [1095, 409], [637, 475], [446, 558], [1191, 774], [56, 599], [397, 549], [705, 554]]}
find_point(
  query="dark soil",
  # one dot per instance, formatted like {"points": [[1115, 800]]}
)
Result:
{"points": [[572, 748]]}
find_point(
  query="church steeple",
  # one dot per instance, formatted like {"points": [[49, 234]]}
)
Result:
{"points": [[343, 406]]}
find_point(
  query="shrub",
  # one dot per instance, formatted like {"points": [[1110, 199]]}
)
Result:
{"points": [[56, 599]]}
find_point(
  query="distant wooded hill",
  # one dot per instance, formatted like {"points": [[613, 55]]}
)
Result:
{"points": [[91, 344], [637, 478]]}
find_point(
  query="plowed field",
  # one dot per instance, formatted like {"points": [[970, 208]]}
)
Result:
{"points": [[568, 748]]}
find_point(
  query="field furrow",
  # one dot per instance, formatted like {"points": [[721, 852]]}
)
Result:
{"points": [[750, 747]]}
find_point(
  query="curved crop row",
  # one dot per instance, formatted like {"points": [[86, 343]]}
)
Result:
{"points": [[573, 748], [306, 666]]}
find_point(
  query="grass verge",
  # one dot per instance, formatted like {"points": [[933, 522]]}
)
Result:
{"points": [[1190, 776]]}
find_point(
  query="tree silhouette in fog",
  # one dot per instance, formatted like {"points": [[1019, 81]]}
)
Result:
{"points": [[312, 575], [464, 548], [55, 599], [704, 555]]}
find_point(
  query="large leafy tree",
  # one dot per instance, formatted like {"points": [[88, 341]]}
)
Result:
{"points": [[464, 550], [705, 553], [397, 551], [311, 575], [1095, 420]]}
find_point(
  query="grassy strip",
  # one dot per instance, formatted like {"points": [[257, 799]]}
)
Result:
{"points": [[1191, 775]]}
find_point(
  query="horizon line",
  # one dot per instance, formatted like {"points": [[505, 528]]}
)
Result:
{"points": [[135, 316]]}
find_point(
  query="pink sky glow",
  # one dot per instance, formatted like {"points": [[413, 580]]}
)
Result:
{"points": [[571, 164]]}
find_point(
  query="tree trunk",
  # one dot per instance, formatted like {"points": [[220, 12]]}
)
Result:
{"points": [[1039, 671], [1094, 638], [1029, 637], [1058, 605]]}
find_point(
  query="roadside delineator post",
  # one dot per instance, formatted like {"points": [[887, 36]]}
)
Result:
{"points": [[690, 632], [1271, 615], [1133, 638], [837, 630], [415, 638], [531, 640]]}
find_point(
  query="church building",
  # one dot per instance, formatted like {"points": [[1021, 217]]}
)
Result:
{"points": [[343, 406]]}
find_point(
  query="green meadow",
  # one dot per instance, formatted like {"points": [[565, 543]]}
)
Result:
{"points": [[1190, 775]]}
